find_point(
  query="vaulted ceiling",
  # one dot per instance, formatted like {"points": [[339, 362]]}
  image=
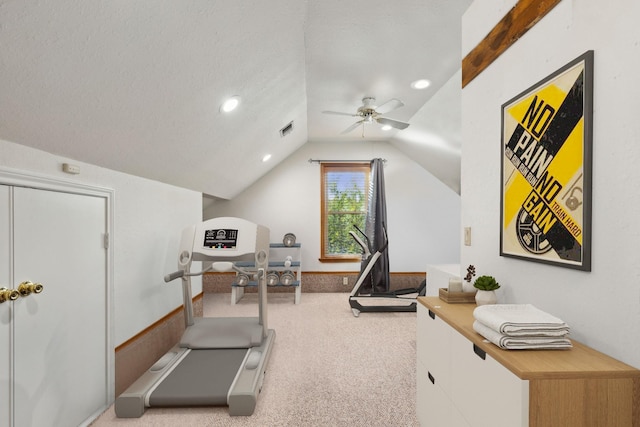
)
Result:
{"points": [[136, 86]]}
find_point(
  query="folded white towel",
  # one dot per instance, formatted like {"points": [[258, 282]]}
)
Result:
{"points": [[520, 320], [521, 343]]}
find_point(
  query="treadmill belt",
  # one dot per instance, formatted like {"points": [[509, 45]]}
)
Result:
{"points": [[203, 378]]}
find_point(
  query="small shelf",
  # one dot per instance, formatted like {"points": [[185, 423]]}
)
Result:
{"points": [[278, 254], [272, 264], [278, 264], [254, 284], [281, 245]]}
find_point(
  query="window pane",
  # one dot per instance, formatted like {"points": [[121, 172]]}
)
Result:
{"points": [[344, 203], [340, 241]]}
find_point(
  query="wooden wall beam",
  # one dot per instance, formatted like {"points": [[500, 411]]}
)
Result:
{"points": [[523, 16]]}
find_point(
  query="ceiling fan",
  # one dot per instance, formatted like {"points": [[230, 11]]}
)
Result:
{"points": [[369, 112]]}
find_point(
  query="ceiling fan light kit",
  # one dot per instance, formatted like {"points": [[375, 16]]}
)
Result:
{"points": [[369, 112]]}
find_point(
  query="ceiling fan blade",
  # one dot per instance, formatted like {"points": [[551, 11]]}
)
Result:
{"points": [[337, 113], [390, 105], [352, 127], [393, 123]]}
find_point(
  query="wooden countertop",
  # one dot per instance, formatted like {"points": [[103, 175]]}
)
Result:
{"points": [[579, 362]]}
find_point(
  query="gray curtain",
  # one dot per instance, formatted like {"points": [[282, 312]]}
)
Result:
{"points": [[374, 226]]}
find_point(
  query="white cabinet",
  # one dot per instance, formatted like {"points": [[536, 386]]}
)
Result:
{"points": [[434, 351], [463, 380], [434, 407], [485, 393], [284, 264], [434, 403]]}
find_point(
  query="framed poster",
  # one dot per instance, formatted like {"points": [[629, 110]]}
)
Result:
{"points": [[546, 149]]}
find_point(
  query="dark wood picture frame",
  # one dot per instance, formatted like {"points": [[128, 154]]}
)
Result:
{"points": [[546, 166]]}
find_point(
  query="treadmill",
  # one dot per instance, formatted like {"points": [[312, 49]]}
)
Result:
{"points": [[218, 361], [400, 300]]}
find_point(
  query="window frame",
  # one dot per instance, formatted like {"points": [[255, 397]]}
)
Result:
{"points": [[325, 168]]}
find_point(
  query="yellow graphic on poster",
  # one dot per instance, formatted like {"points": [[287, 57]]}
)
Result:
{"points": [[543, 171]]}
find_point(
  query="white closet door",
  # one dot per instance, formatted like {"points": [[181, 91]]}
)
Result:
{"points": [[5, 308], [60, 355]]}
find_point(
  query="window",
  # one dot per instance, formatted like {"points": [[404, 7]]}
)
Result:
{"points": [[344, 203]]}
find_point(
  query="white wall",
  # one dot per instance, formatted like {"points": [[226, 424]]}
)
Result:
{"points": [[148, 219], [423, 213], [602, 306]]}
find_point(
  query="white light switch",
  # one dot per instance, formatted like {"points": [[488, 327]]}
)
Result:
{"points": [[467, 236]]}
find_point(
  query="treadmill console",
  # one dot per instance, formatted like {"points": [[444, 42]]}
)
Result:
{"points": [[223, 239], [220, 239]]}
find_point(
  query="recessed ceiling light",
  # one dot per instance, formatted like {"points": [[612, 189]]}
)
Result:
{"points": [[386, 127], [421, 84], [230, 104], [266, 157]]}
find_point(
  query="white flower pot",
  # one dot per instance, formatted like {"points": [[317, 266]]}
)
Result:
{"points": [[486, 297]]}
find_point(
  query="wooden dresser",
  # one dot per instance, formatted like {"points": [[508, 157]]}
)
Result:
{"points": [[466, 381]]}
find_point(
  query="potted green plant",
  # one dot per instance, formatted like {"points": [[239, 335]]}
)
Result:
{"points": [[486, 286]]}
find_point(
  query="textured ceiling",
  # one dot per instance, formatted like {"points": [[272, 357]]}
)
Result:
{"points": [[136, 86]]}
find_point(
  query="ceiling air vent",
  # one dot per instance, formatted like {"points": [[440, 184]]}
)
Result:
{"points": [[287, 129]]}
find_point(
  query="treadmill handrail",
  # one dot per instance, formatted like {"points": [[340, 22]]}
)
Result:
{"points": [[369, 246], [173, 276], [181, 273], [365, 272], [365, 249], [365, 236]]}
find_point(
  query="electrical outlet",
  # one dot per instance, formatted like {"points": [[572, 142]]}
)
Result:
{"points": [[467, 236], [345, 281]]}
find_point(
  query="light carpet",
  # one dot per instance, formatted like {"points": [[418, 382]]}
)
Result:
{"points": [[327, 368]]}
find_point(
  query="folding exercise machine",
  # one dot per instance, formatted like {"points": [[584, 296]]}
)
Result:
{"points": [[401, 300], [218, 361]]}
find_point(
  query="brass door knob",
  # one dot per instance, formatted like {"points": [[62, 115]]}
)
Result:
{"points": [[27, 288], [8, 295]]}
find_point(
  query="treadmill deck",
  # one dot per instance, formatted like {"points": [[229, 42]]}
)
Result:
{"points": [[203, 378]]}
